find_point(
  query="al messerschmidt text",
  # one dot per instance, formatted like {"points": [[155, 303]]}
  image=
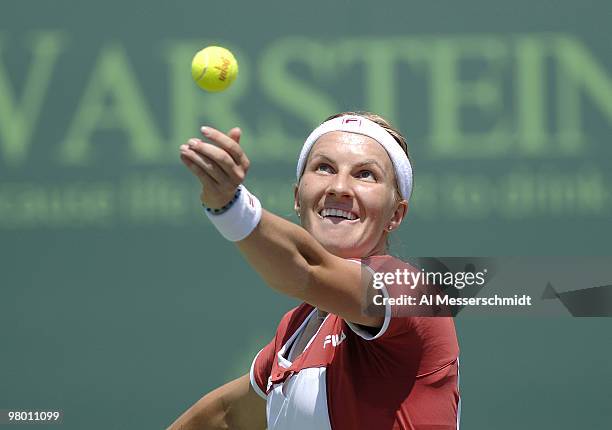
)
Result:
{"points": [[428, 300]]}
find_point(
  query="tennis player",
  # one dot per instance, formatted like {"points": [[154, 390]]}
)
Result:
{"points": [[331, 365]]}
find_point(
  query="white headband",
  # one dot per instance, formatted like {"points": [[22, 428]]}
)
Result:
{"points": [[361, 125]]}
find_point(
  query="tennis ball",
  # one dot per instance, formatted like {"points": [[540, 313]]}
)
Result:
{"points": [[214, 68]]}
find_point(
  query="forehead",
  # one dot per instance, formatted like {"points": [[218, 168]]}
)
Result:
{"points": [[342, 145]]}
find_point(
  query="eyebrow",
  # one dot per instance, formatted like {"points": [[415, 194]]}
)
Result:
{"points": [[360, 164], [370, 161]]}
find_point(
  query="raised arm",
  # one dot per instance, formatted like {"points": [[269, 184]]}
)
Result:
{"points": [[234, 405], [287, 257], [291, 261]]}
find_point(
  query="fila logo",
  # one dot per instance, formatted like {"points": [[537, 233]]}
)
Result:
{"points": [[352, 121], [334, 339]]}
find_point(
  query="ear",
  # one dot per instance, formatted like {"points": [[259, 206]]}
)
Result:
{"points": [[401, 209], [296, 202]]}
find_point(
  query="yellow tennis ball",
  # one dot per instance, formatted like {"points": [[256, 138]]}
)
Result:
{"points": [[214, 68]]}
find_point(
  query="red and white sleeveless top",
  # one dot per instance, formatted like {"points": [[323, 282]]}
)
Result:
{"points": [[406, 376]]}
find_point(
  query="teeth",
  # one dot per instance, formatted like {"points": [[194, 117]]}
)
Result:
{"points": [[337, 213]]}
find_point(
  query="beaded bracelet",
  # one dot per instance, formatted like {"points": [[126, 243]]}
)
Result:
{"points": [[219, 211], [237, 219]]}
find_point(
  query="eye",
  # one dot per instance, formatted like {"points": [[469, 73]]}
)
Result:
{"points": [[324, 167], [366, 174]]}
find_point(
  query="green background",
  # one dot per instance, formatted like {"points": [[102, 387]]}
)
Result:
{"points": [[121, 306]]}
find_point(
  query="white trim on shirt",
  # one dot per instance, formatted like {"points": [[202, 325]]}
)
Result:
{"points": [[361, 332], [252, 378]]}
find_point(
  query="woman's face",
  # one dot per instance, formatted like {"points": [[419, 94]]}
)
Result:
{"points": [[346, 197]]}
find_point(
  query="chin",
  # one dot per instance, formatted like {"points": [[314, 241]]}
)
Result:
{"points": [[342, 250], [336, 241]]}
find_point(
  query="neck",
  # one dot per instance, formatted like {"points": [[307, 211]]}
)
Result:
{"points": [[380, 248]]}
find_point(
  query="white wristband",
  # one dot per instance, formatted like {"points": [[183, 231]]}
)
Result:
{"points": [[240, 219]]}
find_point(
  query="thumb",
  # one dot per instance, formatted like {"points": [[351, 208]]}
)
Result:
{"points": [[235, 134]]}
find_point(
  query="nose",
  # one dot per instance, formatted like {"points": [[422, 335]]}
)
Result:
{"points": [[339, 186]]}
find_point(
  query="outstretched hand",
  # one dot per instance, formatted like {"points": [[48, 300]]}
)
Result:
{"points": [[220, 165]]}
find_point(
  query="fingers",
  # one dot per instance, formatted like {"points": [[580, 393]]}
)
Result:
{"points": [[220, 165], [216, 160], [206, 180], [204, 162], [235, 134], [227, 143]]}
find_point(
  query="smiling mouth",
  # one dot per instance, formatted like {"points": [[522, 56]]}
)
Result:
{"points": [[337, 215]]}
